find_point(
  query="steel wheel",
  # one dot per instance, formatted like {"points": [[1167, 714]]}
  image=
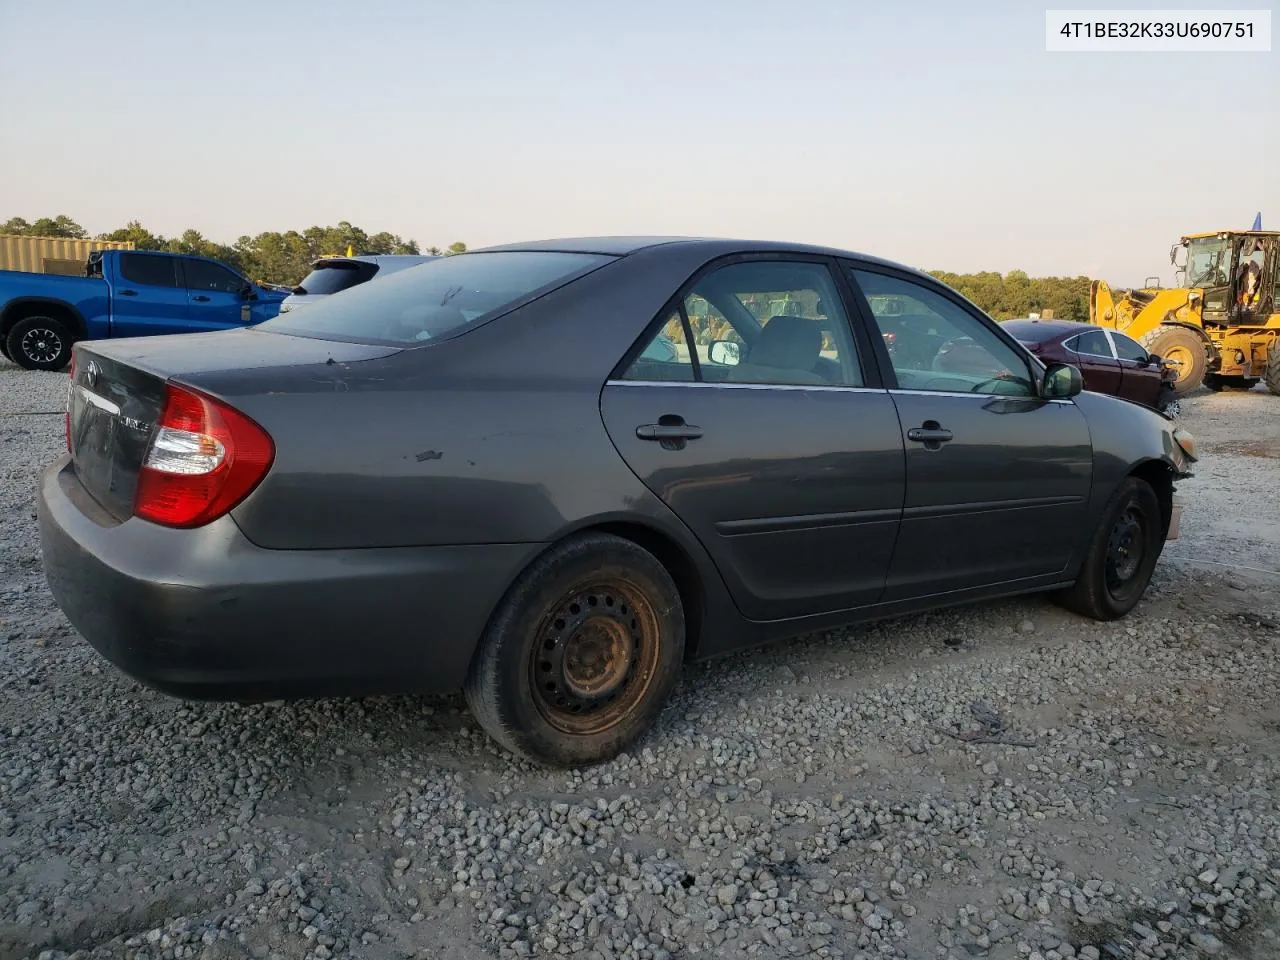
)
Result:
{"points": [[1125, 550], [1122, 554], [594, 657], [581, 653]]}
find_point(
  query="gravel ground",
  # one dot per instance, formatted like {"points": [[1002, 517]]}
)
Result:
{"points": [[1001, 781]]}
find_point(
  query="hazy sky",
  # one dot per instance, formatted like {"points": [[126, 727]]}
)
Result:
{"points": [[942, 135]]}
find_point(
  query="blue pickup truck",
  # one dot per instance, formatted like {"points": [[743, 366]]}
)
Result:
{"points": [[124, 293]]}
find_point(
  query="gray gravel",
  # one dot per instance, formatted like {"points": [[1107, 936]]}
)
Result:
{"points": [[1003, 781]]}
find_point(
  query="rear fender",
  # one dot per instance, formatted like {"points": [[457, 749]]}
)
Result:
{"points": [[21, 307]]}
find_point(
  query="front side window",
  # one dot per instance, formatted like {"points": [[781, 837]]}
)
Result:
{"points": [[1092, 343], [148, 270], [438, 299], [1129, 349], [936, 345], [204, 275], [773, 322], [1208, 260]]}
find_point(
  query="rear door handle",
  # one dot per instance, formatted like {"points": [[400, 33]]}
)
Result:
{"points": [[663, 431], [128, 293], [929, 435], [202, 298]]}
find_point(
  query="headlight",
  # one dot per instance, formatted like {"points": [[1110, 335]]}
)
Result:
{"points": [[1186, 442]]}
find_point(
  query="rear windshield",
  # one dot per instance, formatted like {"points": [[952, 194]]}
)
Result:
{"points": [[437, 299], [335, 276], [1028, 331]]}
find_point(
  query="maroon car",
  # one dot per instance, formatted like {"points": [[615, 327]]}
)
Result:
{"points": [[1109, 361]]}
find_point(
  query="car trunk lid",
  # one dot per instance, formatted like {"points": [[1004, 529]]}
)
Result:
{"points": [[117, 392]]}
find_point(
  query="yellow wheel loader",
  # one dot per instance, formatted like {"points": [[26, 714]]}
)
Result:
{"points": [[1221, 328]]}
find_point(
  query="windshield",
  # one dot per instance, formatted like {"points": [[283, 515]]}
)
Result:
{"points": [[1207, 262], [335, 275], [437, 299]]}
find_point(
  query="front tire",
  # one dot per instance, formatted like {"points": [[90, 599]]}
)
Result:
{"points": [[1122, 554], [581, 655], [39, 343], [1181, 346]]}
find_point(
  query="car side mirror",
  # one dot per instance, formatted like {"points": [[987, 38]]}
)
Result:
{"points": [[1062, 381], [246, 292], [724, 352]]}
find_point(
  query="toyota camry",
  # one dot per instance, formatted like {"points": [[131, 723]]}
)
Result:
{"points": [[548, 474]]}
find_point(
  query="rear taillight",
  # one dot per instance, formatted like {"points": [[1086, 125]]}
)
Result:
{"points": [[71, 381], [204, 457]]}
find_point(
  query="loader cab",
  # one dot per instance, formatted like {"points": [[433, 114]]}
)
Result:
{"points": [[1237, 273]]}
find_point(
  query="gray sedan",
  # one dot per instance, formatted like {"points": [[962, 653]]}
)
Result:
{"points": [[497, 472]]}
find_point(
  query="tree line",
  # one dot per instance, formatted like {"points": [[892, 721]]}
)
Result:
{"points": [[286, 258], [271, 257]]}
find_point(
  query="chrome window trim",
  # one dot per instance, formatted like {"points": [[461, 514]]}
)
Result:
{"points": [[976, 396], [825, 388]]}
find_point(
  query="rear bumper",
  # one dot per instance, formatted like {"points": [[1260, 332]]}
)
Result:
{"points": [[206, 614]]}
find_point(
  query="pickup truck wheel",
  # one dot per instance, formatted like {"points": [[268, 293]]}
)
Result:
{"points": [[39, 343], [581, 655]]}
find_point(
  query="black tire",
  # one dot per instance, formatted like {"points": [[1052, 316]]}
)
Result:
{"points": [[581, 655], [1181, 342], [1272, 374], [39, 343], [1112, 580]]}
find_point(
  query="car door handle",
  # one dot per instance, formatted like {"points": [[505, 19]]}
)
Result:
{"points": [[128, 293], [929, 434], [665, 431], [201, 297]]}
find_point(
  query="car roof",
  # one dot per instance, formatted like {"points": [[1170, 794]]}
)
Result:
{"points": [[1046, 329], [621, 246]]}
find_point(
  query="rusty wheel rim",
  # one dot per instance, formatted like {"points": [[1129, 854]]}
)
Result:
{"points": [[594, 657]]}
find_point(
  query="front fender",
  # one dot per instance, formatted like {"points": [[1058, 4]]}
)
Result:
{"points": [[1130, 440]]}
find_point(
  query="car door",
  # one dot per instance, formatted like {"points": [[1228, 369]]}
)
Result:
{"points": [[782, 454], [997, 479], [1141, 380], [214, 295], [1092, 352], [147, 296]]}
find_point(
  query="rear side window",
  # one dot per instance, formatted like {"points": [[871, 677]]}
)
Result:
{"points": [[336, 276], [438, 299], [1092, 344], [149, 271]]}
